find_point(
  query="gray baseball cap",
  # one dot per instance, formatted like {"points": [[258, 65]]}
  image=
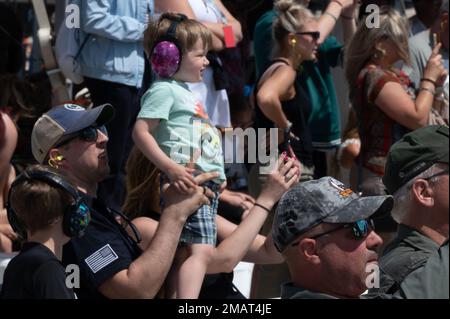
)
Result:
{"points": [[63, 120], [325, 200]]}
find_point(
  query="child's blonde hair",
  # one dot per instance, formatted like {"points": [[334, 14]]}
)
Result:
{"points": [[187, 33]]}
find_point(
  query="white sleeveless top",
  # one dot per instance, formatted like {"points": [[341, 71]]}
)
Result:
{"points": [[215, 102]]}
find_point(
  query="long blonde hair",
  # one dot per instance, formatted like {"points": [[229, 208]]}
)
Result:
{"points": [[362, 47], [142, 185]]}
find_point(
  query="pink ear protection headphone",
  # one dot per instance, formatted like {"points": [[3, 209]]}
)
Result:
{"points": [[166, 53]]}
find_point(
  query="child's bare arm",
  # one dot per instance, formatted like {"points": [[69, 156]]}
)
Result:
{"points": [[144, 140]]}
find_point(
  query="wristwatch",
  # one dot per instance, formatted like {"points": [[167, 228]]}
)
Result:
{"points": [[288, 128], [287, 136]]}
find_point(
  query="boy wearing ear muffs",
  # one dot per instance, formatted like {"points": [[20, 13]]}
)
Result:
{"points": [[47, 212], [172, 129]]}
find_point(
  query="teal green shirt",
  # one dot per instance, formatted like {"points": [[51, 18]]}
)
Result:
{"points": [[184, 127], [325, 119], [262, 41]]}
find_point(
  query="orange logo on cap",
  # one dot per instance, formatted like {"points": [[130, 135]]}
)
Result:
{"points": [[344, 192]]}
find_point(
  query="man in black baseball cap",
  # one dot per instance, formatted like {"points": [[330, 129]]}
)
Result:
{"points": [[325, 233], [416, 174], [112, 264]]}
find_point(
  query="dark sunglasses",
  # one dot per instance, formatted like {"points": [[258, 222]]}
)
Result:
{"points": [[443, 172], [360, 229], [88, 134], [314, 34]]}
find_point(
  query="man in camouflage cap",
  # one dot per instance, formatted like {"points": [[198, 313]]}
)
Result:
{"points": [[325, 234], [416, 174]]}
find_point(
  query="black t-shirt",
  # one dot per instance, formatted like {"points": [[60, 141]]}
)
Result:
{"points": [[104, 250], [220, 286], [297, 111], [35, 273]]}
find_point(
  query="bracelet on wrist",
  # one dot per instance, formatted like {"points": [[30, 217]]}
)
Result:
{"points": [[338, 2], [288, 127], [331, 16], [428, 90], [428, 80], [263, 207]]}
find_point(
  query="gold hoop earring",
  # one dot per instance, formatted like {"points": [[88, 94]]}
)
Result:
{"points": [[52, 163]]}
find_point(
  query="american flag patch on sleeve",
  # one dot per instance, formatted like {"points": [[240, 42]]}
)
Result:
{"points": [[101, 258]]}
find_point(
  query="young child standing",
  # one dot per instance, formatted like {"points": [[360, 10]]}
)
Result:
{"points": [[46, 211], [173, 129]]}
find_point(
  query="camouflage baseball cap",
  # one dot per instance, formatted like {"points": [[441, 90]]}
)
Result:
{"points": [[325, 200], [415, 153]]}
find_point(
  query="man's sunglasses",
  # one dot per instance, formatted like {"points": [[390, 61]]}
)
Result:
{"points": [[360, 229], [443, 172], [314, 34], [88, 134]]}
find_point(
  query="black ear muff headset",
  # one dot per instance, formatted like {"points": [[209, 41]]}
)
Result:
{"points": [[76, 217], [166, 54]]}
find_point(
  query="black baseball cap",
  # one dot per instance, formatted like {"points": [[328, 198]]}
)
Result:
{"points": [[415, 153]]}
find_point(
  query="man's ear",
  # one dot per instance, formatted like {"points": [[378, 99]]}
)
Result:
{"points": [[55, 158], [423, 192], [308, 249], [55, 155], [56, 220]]}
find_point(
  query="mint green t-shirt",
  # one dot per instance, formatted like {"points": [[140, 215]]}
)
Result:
{"points": [[184, 126]]}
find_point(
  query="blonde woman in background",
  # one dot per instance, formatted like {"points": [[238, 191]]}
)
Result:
{"points": [[384, 99], [382, 96], [284, 104], [280, 101]]}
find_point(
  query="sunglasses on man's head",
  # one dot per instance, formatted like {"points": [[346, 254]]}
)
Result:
{"points": [[88, 134], [443, 172], [360, 229], [314, 34]]}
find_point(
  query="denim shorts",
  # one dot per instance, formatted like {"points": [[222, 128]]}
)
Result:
{"points": [[200, 227]]}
